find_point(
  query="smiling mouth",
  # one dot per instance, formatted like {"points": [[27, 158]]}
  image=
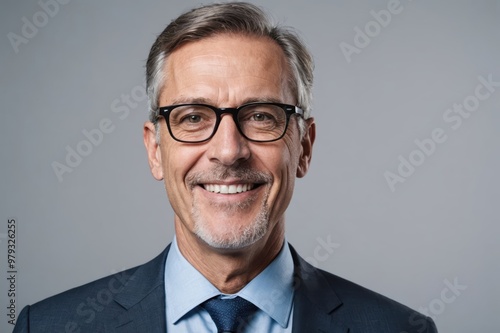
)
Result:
{"points": [[229, 189]]}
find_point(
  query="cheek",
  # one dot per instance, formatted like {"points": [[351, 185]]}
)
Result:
{"points": [[177, 162], [282, 163], [290, 155], [284, 181]]}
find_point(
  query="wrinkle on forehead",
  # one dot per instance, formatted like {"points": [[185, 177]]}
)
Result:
{"points": [[222, 66], [226, 66]]}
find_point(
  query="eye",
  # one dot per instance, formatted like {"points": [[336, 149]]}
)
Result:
{"points": [[261, 117], [192, 118]]}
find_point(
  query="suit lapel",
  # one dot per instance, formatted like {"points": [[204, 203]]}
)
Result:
{"points": [[315, 301], [143, 299]]}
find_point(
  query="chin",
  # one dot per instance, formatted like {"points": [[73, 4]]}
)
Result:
{"points": [[232, 237], [232, 233]]}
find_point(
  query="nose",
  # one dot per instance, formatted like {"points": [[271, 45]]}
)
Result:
{"points": [[228, 146]]}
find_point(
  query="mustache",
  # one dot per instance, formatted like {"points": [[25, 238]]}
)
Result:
{"points": [[242, 173]]}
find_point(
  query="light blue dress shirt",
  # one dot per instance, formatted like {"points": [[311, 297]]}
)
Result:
{"points": [[186, 288]]}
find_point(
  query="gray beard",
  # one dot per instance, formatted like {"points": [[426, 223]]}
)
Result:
{"points": [[236, 238]]}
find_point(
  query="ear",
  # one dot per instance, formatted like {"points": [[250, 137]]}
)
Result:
{"points": [[307, 145], [153, 150]]}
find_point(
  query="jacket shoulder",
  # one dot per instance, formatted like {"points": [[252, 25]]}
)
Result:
{"points": [[93, 306], [86, 307], [365, 306], [357, 308]]}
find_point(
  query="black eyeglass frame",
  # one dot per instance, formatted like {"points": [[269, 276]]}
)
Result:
{"points": [[289, 110]]}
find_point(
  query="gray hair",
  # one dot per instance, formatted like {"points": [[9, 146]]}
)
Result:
{"points": [[236, 18]]}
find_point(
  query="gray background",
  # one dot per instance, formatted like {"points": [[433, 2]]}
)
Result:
{"points": [[108, 214]]}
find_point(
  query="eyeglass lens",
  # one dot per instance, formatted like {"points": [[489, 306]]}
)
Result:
{"points": [[259, 122]]}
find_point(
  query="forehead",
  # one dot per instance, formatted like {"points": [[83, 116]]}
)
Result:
{"points": [[226, 66]]}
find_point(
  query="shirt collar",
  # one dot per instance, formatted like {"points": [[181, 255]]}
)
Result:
{"points": [[185, 287], [271, 291]]}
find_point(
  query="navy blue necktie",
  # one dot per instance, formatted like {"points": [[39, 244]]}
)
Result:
{"points": [[230, 314]]}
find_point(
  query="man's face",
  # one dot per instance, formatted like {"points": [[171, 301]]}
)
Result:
{"points": [[228, 191]]}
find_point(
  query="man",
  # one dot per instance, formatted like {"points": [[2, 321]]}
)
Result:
{"points": [[230, 130]]}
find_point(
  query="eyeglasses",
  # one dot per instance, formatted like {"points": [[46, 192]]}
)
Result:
{"points": [[259, 122]]}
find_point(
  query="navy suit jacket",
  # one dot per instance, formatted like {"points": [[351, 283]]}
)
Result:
{"points": [[134, 301]]}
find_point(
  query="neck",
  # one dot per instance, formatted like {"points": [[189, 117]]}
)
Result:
{"points": [[229, 270]]}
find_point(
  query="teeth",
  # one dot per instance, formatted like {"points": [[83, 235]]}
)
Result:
{"points": [[224, 189], [228, 189]]}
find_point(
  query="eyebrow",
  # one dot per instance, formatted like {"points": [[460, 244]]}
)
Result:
{"points": [[203, 100]]}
